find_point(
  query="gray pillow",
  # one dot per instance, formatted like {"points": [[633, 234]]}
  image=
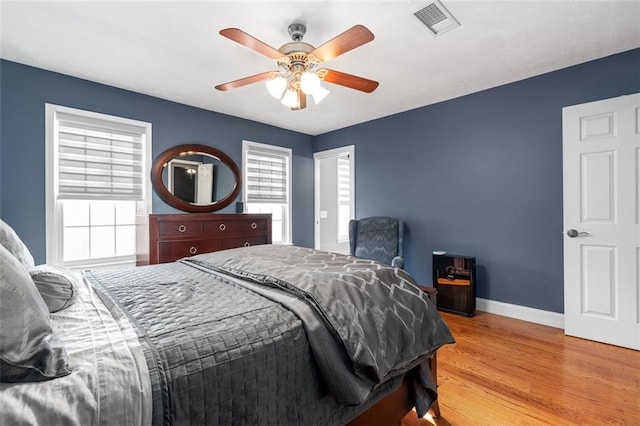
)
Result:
{"points": [[10, 240], [57, 285], [29, 351]]}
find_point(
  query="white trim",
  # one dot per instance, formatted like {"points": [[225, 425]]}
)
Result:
{"points": [[103, 266], [53, 240], [538, 316], [321, 155]]}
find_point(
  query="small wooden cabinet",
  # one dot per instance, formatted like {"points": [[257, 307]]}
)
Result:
{"points": [[454, 277], [164, 238]]}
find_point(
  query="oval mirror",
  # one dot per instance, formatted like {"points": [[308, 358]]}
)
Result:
{"points": [[195, 178]]}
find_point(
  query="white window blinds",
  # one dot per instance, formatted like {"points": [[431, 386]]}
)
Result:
{"points": [[344, 182], [266, 175], [344, 198], [99, 159]]}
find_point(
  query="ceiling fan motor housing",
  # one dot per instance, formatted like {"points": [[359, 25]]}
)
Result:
{"points": [[297, 31], [295, 52]]}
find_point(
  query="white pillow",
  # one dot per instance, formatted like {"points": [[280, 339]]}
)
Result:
{"points": [[10, 240], [29, 350], [57, 285]]}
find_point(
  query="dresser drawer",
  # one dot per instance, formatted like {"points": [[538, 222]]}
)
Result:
{"points": [[229, 243], [220, 227], [168, 251], [179, 229]]}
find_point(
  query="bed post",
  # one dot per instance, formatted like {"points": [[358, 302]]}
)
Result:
{"points": [[433, 366]]}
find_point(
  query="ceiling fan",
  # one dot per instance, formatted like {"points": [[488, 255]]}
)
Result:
{"points": [[298, 73]]}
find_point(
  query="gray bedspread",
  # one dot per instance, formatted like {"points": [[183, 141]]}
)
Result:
{"points": [[275, 335]]}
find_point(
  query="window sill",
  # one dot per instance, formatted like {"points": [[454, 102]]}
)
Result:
{"points": [[102, 266]]}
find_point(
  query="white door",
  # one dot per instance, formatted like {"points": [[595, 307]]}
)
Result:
{"points": [[334, 200], [204, 188], [601, 155]]}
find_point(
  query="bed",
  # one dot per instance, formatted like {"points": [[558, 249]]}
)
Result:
{"points": [[269, 335]]}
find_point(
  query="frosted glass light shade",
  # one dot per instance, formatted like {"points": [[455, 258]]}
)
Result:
{"points": [[309, 81], [290, 99], [319, 94], [276, 86]]}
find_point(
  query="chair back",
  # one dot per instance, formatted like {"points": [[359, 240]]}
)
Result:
{"points": [[377, 238]]}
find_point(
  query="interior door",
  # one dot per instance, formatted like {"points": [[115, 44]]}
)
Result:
{"points": [[601, 155], [334, 200], [204, 188]]}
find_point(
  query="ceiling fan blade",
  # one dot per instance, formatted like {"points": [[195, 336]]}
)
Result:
{"points": [[302, 101], [253, 43], [244, 81], [354, 37], [350, 81]]}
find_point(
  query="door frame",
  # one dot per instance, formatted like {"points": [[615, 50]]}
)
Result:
{"points": [[317, 157]]}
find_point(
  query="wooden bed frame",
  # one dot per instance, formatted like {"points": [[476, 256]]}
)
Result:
{"points": [[391, 409]]}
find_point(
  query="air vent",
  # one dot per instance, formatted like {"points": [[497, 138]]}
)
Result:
{"points": [[437, 18]]}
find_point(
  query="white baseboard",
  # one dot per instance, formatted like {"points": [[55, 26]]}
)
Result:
{"points": [[538, 316]]}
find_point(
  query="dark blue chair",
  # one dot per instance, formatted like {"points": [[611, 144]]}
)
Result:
{"points": [[377, 238]]}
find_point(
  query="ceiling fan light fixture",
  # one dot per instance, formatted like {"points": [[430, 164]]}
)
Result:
{"points": [[319, 94], [276, 86], [290, 99], [309, 82]]}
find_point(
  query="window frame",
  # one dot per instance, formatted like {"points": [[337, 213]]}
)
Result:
{"points": [[54, 207], [287, 210]]}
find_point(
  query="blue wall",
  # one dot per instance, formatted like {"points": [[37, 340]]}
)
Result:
{"points": [[24, 91], [482, 175], [478, 175]]}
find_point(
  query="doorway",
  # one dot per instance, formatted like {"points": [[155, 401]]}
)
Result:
{"points": [[334, 189]]}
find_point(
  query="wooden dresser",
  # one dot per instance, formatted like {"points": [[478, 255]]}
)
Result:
{"points": [[164, 238]]}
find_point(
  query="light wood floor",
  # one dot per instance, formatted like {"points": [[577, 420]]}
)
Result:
{"points": [[503, 371]]}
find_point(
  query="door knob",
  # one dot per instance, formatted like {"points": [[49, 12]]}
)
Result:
{"points": [[572, 233]]}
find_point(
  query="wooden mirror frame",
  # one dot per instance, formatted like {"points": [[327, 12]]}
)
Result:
{"points": [[163, 192]]}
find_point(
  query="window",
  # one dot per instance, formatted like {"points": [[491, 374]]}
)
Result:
{"points": [[97, 181], [267, 186]]}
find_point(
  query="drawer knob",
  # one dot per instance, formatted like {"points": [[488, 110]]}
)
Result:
{"points": [[246, 244], [222, 227], [254, 225], [193, 250], [182, 228]]}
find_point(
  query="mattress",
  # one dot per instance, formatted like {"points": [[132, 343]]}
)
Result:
{"points": [[269, 335]]}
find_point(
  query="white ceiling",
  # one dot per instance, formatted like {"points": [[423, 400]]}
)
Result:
{"points": [[172, 49]]}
